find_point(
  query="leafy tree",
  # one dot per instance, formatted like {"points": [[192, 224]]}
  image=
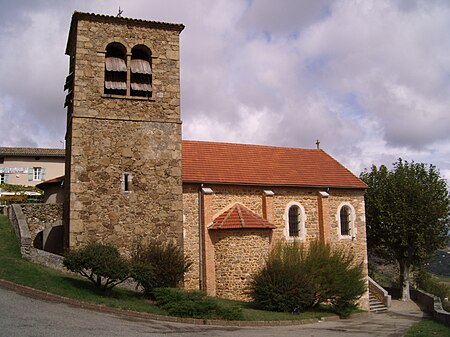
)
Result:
{"points": [[407, 214]]}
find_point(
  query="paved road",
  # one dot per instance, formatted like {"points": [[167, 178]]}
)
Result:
{"points": [[26, 317]]}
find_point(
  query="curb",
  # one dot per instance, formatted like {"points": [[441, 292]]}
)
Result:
{"points": [[45, 296]]}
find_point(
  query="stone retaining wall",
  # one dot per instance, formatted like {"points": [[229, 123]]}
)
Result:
{"points": [[431, 304], [42, 216], [18, 215]]}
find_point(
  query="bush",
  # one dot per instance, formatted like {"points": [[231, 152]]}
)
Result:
{"points": [[194, 304], [101, 264], [144, 274], [159, 265], [337, 279], [429, 283], [295, 277], [282, 284]]}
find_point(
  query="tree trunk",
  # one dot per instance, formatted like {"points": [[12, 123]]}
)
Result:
{"points": [[404, 279]]}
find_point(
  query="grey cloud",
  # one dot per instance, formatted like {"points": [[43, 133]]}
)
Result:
{"points": [[261, 71]]}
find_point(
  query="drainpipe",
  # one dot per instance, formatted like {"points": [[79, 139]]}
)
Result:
{"points": [[200, 237]]}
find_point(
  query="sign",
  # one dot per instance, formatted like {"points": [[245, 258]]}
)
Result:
{"points": [[14, 170]]}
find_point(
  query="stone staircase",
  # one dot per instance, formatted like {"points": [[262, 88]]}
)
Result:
{"points": [[379, 299], [375, 305]]}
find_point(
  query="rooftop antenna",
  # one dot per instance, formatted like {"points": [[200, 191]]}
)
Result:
{"points": [[318, 144], [119, 15]]}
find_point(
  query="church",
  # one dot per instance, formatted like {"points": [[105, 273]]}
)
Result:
{"points": [[129, 176]]}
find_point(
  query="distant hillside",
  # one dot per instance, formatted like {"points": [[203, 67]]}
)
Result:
{"points": [[439, 263]]}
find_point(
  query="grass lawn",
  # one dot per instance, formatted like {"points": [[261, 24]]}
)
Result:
{"points": [[14, 268], [427, 328], [443, 279]]}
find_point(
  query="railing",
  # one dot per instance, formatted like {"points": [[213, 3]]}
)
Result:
{"points": [[379, 292]]}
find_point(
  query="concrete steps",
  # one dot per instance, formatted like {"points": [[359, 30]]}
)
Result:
{"points": [[375, 305]]}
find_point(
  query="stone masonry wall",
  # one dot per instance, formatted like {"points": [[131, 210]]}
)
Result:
{"points": [[191, 236], [100, 209], [239, 254], [110, 135], [251, 197], [41, 216], [91, 41]]}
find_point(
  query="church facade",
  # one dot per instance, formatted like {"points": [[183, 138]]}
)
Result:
{"points": [[129, 176]]}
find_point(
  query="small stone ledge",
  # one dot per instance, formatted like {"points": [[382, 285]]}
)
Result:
{"points": [[47, 259], [134, 98]]}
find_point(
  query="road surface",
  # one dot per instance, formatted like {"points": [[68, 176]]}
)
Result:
{"points": [[27, 317]]}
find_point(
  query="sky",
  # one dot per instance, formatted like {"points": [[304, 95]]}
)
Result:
{"points": [[369, 78]]}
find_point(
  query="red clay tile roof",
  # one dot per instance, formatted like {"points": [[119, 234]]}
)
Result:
{"points": [[31, 151], [240, 217], [226, 163]]}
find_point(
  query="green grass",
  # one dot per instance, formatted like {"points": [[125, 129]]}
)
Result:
{"points": [[16, 269], [427, 328], [250, 313], [443, 279]]}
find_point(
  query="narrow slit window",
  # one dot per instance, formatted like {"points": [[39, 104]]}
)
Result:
{"points": [[126, 182]]}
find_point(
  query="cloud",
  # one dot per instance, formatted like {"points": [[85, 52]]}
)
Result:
{"points": [[396, 62], [370, 79]]}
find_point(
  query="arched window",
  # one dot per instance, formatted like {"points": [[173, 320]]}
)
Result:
{"points": [[141, 72], [346, 218], [115, 69], [295, 221]]}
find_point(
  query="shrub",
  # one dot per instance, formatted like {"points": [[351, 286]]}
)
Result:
{"points": [[295, 277], [337, 279], [165, 259], [194, 304], [429, 283], [282, 284], [144, 274], [101, 264]]}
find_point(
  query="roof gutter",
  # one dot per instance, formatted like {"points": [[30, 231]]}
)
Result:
{"points": [[272, 185]]}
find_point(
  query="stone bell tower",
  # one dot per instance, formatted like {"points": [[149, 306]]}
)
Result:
{"points": [[123, 140]]}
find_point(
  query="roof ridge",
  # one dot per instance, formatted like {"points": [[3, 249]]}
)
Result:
{"points": [[123, 18], [250, 144], [241, 218]]}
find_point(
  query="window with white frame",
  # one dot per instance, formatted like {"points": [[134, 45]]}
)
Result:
{"points": [[346, 221], [3, 178], [295, 221], [37, 173]]}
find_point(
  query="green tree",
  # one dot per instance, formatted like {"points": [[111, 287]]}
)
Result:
{"points": [[407, 214]]}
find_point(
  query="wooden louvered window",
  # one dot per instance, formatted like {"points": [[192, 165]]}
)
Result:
{"points": [[141, 72], [115, 70], [294, 221]]}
